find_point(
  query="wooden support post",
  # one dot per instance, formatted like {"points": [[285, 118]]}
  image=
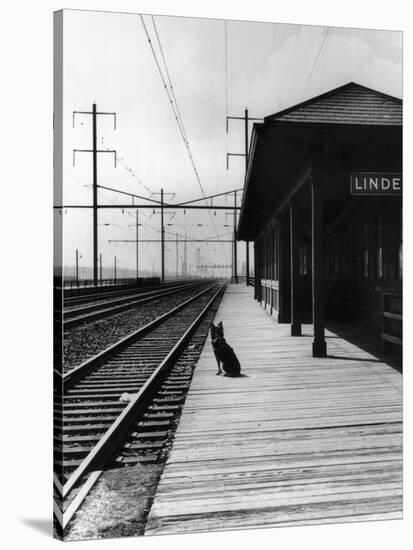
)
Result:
{"points": [[282, 261], [319, 343], [247, 262], [255, 270], [294, 256]]}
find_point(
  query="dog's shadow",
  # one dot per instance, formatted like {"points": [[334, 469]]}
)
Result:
{"points": [[242, 375]]}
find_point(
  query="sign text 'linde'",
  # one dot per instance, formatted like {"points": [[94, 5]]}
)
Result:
{"points": [[375, 183]]}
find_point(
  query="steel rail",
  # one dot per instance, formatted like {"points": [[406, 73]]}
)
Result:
{"points": [[122, 290], [87, 366], [93, 312], [99, 454]]}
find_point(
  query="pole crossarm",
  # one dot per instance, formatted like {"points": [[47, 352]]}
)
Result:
{"points": [[234, 155], [241, 118], [211, 196], [133, 195], [91, 113]]}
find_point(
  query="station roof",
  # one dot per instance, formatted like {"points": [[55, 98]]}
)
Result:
{"points": [[349, 104], [279, 146]]}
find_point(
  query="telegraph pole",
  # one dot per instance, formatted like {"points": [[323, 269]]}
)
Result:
{"points": [[163, 242], [185, 259], [95, 198], [94, 152], [235, 240], [77, 267], [246, 141], [176, 268], [247, 248], [114, 270], [137, 244], [246, 119], [162, 208], [100, 269]]}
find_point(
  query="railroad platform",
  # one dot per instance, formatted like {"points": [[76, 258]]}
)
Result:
{"points": [[296, 440]]}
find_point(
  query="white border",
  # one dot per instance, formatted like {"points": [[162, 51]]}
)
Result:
{"points": [[26, 259]]}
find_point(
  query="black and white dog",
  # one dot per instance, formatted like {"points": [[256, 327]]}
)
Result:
{"points": [[223, 352]]}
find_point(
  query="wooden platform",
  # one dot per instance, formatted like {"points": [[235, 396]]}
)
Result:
{"points": [[296, 440]]}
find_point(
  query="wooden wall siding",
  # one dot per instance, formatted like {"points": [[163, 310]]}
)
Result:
{"points": [[351, 104], [296, 441]]}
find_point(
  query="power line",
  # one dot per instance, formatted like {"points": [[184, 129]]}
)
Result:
{"points": [[170, 99], [318, 57], [174, 104], [169, 79]]}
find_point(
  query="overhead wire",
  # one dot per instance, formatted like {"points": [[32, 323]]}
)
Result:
{"points": [[317, 59], [174, 103]]}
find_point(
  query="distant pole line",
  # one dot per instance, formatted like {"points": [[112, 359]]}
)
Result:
{"points": [[135, 206], [172, 241]]}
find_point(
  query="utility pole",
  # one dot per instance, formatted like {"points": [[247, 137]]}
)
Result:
{"points": [[246, 141], [185, 259], [235, 240], [163, 242], [77, 267], [100, 269], [95, 197], [246, 120], [94, 152], [162, 208], [247, 248], [137, 244], [114, 270], [176, 268]]}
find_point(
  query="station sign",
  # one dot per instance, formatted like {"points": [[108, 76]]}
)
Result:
{"points": [[375, 183]]}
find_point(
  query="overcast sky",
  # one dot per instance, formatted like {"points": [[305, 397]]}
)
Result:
{"points": [[107, 59]]}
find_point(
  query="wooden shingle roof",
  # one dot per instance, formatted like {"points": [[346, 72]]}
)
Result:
{"points": [[348, 104]]}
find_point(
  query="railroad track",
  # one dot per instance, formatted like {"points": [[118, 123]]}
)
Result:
{"points": [[70, 301], [92, 312], [152, 365]]}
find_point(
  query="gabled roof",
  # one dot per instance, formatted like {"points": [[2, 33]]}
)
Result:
{"points": [[348, 104]]}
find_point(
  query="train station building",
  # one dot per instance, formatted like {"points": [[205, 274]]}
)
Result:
{"points": [[323, 205]]}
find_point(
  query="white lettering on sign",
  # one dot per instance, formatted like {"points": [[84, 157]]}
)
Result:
{"points": [[375, 184]]}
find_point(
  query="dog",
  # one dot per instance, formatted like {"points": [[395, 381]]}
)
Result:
{"points": [[223, 352]]}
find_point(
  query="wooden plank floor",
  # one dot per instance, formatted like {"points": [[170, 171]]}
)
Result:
{"points": [[297, 440]]}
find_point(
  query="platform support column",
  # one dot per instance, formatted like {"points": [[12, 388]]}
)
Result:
{"points": [[294, 258], [247, 262], [319, 343]]}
